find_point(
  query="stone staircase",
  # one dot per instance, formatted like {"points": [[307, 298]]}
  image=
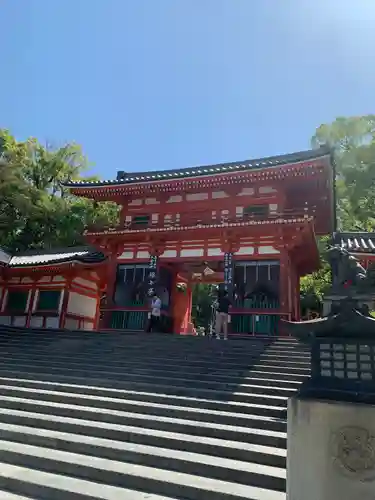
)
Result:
{"points": [[88, 416]]}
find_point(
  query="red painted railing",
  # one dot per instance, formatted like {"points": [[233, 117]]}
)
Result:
{"points": [[201, 219]]}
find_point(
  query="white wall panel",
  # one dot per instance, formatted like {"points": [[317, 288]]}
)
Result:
{"points": [[36, 321], [19, 321], [81, 305], [85, 283], [245, 250], [192, 252], [52, 322], [71, 324], [267, 250]]}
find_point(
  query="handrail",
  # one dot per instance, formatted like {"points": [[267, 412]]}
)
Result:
{"points": [[191, 219]]}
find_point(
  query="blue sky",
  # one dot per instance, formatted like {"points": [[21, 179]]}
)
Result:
{"points": [[155, 84]]}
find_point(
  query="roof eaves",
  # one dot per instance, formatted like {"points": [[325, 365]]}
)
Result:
{"points": [[274, 161]]}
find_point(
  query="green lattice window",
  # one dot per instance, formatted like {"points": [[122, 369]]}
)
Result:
{"points": [[141, 220], [17, 301], [48, 300], [256, 210]]}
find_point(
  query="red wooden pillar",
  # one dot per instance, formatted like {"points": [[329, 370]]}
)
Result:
{"points": [[31, 305], [115, 251], [65, 300], [285, 288]]}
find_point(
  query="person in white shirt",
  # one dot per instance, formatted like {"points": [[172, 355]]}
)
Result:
{"points": [[153, 324]]}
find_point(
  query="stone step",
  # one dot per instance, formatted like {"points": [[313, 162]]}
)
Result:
{"points": [[118, 356], [136, 416], [262, 436], [138, 477], [139, 336], [80, 376], [201, 414], [176, 367], [40, 485], [241, 450], [289, 367], [240, 385], [214, 348], [250, 473], [11, 496], [139, 398], [95, 338]]}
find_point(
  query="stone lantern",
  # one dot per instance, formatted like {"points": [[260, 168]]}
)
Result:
{"points": [[331, 421]]}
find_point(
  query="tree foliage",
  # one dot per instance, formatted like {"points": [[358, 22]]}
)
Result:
{"points": [[353, 142], [35, 210]]}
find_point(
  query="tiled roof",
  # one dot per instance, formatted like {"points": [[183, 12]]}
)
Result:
{"points": [[261, 163], [85, 255], [356, 242]]}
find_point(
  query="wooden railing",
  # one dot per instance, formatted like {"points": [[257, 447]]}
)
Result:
{"points": [[198, 219]]}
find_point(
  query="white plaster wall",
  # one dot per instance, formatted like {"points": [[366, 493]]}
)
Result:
{"points": [[175, 199], [36, 321], [44, 279], [246, 191], [245, 250], [81, 305], [267, 189], [317, 469], [88, 325], [273, 207], [71, 324], [192, 252], [219, 194], [19, 321], [214, 252], [197, 196], [58, 278], [151, 201], [143, 254], [127, 255], [267, 250], [53, 322], [85, 283], [135, 202], [169, 253]]}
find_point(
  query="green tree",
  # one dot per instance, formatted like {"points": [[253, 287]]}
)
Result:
{"points": [[36, 211], [204, 295], [353, 141]]}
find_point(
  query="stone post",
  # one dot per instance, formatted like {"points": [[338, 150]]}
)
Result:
{"points": [[331, 421]]}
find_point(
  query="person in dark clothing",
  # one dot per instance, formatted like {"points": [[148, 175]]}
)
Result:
{"points": [[222, 316]]}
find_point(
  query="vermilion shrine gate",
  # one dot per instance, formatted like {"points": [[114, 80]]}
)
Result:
{"points": [[250, 225]]}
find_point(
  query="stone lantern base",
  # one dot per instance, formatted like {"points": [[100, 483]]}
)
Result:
{"points": [[335, 298], [331, 450]]}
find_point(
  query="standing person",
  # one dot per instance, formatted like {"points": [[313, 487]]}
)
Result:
{"points": [[222, 315], [154, 322]]}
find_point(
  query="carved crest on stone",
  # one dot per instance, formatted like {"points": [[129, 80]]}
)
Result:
{"points": [[353, 452]]}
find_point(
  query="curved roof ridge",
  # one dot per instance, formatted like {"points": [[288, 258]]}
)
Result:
{"points": [[259, 163]]}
